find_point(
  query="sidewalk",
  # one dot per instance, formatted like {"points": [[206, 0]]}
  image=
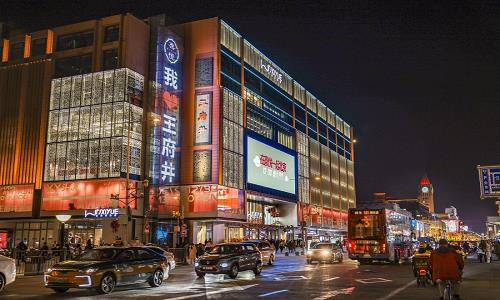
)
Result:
{"points": [[481, 280]]}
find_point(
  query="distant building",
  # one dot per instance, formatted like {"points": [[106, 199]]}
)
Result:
{"points": [[451, 212], [426, 193], [417, 209]]}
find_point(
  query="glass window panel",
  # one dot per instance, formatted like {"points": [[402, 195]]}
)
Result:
{"points": [[65, 92], [84, 123], [97, 87], [118, 119], [52, 128], [61, 161], [93, 158], [106, 119], [76, 91], [87, 90], [82, 160], [108, 86], [119, 88], [104, 158], [115, 159], [71, 161], [55, 94], [95, 122], [73, 128], [50, 162], [63, 125]]}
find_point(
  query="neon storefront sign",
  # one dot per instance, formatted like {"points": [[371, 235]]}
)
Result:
{"points": [[271, 71], [102, 213]]}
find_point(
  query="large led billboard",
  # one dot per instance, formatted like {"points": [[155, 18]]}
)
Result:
{"points": [[270, 167]]}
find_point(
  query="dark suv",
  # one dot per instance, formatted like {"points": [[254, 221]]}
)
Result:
{"points": [[229, 258]]}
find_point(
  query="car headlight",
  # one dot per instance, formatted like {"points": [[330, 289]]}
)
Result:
{"points": [[325, 252], [90, 270], [309, 252], [49, 270], [224, 265], [196, 264]]}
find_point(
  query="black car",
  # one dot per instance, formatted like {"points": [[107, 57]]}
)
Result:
{"points": [[230, 259], [105, 268]]}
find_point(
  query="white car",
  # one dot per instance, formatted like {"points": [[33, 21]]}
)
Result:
{"points": [[7, 271]]}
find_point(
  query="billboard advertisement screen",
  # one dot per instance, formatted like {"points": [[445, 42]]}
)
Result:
{"points": [[270, 167]]}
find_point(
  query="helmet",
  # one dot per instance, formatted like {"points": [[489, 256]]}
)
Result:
{"points": [[422, 245]]}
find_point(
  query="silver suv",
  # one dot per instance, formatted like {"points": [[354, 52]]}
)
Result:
{"points": [[267, 250]]}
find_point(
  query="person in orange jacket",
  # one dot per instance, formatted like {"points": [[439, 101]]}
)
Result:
{"points": [[447, 265]]}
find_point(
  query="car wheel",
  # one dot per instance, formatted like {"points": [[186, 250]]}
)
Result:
{"points": [[157, 278], [258, 268], [233, 273], [200, 274], [2, 282], [271, 260], [60, 290], [108, 283]]}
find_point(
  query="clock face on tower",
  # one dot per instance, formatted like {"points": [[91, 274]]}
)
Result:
{"points": [[425, 189]]}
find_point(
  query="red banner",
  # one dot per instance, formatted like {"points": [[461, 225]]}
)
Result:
{"points": [[16, 198], [88, 194]]}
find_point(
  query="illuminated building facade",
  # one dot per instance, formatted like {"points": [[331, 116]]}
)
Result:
{"points": [[187, 129]]}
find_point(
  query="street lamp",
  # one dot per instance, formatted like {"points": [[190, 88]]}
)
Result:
{"points": [[62, 219]]}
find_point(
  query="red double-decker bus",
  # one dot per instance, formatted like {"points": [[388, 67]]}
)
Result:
{"points": [[379, 235]]}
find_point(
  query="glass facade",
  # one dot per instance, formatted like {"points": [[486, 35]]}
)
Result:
{"points": [[95, 126], [279, 108]]}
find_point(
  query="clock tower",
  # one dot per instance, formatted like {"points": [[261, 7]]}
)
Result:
{"points": [[426, 193]]}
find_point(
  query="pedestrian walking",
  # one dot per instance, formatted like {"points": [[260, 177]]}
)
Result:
{"points": [[480, 251], [191, 254], [488, 249], [282, 246]]}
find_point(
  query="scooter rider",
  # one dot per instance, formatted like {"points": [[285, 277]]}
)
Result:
{"points": [[447, 265]]}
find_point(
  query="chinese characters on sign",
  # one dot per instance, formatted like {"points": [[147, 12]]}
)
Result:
{"points": [[170, 78], [489, 180], [202, 119], [270, 167], [169, 144]]}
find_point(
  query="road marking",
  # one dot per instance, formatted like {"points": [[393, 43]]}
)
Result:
{"points": [[333, 278], [212, 292], [291, 277], [373, 280], [397, 291], [272, 293], [328, 295]]}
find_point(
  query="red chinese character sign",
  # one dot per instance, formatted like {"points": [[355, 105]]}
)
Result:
{"points": [[16, 198]]}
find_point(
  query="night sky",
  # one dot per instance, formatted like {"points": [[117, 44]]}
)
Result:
{"points": [[419, 81]]}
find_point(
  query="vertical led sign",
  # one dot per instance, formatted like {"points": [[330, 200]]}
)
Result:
{"points": [[167, 93]]}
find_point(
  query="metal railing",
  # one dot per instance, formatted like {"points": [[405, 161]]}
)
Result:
{"points": [[36, 262]]}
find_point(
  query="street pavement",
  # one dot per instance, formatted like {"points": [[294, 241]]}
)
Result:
{"points": [[289, 278]]}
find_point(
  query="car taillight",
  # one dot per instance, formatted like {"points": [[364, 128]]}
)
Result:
{"points": [[422, 272], [383, 247], [350, 245]]}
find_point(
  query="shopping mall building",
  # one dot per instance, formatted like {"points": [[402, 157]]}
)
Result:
{"points": [[164, 132]]}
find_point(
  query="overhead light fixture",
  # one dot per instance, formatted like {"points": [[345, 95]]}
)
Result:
{"points": [[63, 218]]}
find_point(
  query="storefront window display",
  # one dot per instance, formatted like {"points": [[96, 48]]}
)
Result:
{"points": [[36, 233]]}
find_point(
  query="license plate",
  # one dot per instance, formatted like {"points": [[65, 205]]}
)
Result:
{"points": [[207, 268], [366, 255], [60, 280]]}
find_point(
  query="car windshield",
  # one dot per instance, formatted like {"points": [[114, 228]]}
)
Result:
{"points": [[98, 254], [224, 249], [323, 246]]}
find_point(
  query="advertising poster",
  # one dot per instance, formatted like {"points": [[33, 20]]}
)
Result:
{"points": [[202, 119], [270, 167]]}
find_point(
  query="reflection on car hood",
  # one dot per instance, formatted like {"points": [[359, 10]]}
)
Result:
{"points": [[217, 256], [76, 264]]}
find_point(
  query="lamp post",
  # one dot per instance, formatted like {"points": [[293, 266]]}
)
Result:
{"points": [[63, 219]]}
